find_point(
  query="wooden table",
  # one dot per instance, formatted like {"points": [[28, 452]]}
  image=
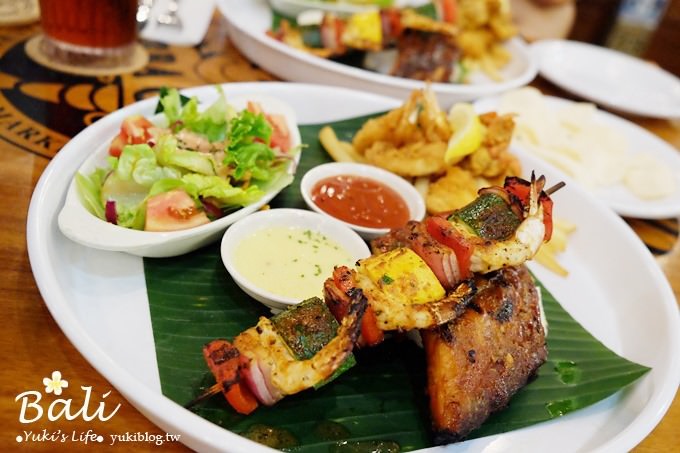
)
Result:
{"points": [[39, 111]]}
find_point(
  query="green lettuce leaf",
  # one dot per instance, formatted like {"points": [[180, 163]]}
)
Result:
{"points": [[89, 191], [212, 122], [246, 127], [176, 102], [248, 150], [222, 191], [131, 216], [254, 158], [169, 154], [138, 163], [166, 185]]}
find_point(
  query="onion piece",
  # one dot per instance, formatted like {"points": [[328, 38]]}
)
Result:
{"points": [[256, 382], [111, 215], [211, 209]]}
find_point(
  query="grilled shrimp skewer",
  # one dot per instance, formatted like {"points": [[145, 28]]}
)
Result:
{"points": [[528, 237], [271, 358], [267, 362], [504, 226], [414, 302], [418, 277]]}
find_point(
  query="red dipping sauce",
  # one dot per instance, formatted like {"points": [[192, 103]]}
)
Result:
{"points": [[361, 201]]}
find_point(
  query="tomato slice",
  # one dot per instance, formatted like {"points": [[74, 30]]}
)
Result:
{"points": [[225, 363], [133, 131], [443, 232], [241, 398], [520, 189], [370, 332], [136, 129], [280, 137], [117, 145], [547, 204]]}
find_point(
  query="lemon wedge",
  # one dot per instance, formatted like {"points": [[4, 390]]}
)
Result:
{"points": [[468, 133]]}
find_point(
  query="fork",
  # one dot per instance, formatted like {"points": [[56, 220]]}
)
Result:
{"points": [[170, 17]]}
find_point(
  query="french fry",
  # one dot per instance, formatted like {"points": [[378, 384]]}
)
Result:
{"points": [[422, 185], [547, 255], [340, 151]]}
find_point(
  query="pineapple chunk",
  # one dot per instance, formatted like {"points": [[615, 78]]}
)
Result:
{"points": [[403, 276], [364, 31]]}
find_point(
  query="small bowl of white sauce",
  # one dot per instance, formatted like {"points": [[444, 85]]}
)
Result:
{"points": [[281, 257]]}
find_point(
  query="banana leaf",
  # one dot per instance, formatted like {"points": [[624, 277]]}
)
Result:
{"points": [[379, 404]]}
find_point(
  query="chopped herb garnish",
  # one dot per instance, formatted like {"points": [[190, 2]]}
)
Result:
{"points": [[386, 279]]}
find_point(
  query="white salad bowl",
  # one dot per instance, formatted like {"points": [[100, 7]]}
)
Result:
{"points": [[292, 218], [81, 226], [414, 201]]}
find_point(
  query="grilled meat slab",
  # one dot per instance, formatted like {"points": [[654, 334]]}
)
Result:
{"points": [[477, 362]]}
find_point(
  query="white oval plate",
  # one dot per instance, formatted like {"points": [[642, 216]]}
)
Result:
{"points": [[79, 225], [615, 289], [610, 78], [617, 197], [249, 21]]}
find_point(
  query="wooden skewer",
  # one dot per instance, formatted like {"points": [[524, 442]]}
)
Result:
{"points": [[555, 188], [214, 390]]}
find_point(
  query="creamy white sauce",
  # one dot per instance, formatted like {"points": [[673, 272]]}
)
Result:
{"points": [[290, 262]]}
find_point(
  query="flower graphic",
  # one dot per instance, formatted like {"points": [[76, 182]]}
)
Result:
{"points": [[55, 384]]}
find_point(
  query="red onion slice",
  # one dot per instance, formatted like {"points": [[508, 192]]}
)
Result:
{"points": [[110, 211]]}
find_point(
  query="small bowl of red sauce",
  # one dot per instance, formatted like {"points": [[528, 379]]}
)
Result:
{"points": [[368, 199]]}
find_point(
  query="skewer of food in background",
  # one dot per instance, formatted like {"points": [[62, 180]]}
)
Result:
{"points": [[441, 42]]}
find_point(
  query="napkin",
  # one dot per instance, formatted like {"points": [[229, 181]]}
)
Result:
{"points": [[195, 16]]}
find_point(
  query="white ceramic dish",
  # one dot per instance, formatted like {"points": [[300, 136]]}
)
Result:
{"points": [[610, 78], [615, 289], [249, 21], [414, 201], [292, 8], [617, 197], [289, 218], [79, 225]]}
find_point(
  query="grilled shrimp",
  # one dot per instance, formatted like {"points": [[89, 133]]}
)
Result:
{"points": [[489, 256], [504, 226], [394, 313], [402, 293], [272, 371]]}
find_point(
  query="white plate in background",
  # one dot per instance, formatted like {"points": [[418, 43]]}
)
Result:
{"points": [[610, 78], [249, 22], [617, 196], [615, 289]]}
